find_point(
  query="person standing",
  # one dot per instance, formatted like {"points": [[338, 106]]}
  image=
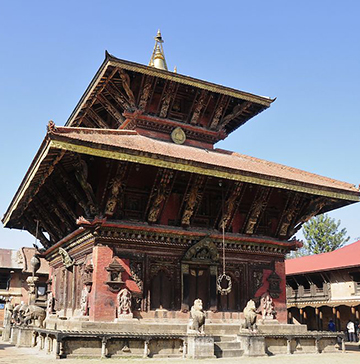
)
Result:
{"points": [[351, 331], [331, 325]]}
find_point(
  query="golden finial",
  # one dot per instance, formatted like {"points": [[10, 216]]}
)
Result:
{"points": [[157, 59], [175, 69]]}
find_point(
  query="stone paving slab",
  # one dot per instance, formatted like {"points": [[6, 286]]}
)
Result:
{"points": [[13, 355]]}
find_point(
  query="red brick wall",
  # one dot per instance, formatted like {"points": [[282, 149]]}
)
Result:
{"points": [[102, 301]]}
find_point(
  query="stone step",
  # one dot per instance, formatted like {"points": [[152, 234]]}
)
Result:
{"points": [[232, 353], [221, 329], [225, 345]]}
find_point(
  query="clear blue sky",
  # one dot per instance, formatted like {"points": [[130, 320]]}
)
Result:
{"points": [[307, 54]]}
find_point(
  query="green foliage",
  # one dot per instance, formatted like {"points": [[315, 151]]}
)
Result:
{"points": [[322, 235]]}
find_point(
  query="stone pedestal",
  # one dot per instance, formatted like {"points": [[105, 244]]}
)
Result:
{"points": [[6, 333], [200, 347], [14, 335], [24, 338], [252, 344]]}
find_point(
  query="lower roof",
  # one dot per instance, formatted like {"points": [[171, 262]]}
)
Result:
{"points": [[128, 145], [345, 257]]}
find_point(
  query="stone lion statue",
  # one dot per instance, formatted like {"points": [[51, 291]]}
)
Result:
{"points": [[197, 317], [34, 312], [250, 316]]}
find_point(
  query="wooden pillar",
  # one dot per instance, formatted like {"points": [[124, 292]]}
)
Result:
{"points": [[338, 326], [213, 288], [301, 315], [289, 317], [321, 320], [185, 287], [317, 318]]}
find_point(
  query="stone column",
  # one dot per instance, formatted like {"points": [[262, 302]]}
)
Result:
{"points": [[146, 349], [103, 347], [288, 346]]}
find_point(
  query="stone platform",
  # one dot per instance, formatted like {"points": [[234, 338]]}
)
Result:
{"points": [[148, 338]]}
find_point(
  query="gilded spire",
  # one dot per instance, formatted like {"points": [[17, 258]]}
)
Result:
{"points": [[157, 59]]}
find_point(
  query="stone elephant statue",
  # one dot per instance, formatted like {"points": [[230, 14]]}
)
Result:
{"points": [[34, 312]]}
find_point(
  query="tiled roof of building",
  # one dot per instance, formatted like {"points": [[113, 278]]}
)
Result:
{"points": [[130, 140], [345, 257]]}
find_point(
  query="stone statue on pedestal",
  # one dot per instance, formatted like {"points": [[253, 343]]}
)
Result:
{"points": [[197, 318], [124, 304]]}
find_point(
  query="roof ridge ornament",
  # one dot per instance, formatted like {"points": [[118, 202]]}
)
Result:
{"points": [[157, 59]]}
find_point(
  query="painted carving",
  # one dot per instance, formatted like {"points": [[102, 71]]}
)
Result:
{"points": [[192, 200], [197, 318], [81, 174], [115, 270], [168, 96], [267, 307], [289, 215], [230, 205], [218, 112], [124, 303], [65, 258], [199, 107], [250, 315], [146, 93], [205, 249], [160, 195], [115, 201], [257, 208], [125, 79]]}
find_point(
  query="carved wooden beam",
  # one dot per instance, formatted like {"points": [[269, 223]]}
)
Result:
{"points": [[31, 228], [193, 199], [161, 193], [219, 110], [94, 98], [146, 92], [97, 119], [199, 107], [290, 211], [112, 110], [231, 205], [40, 215], [125, 79], [74, 192], [117, 95], [43, 178], [257, 208], [57, 196], [237, 111], [116, 186], [169, 95], [81, 174], [312, 209]]}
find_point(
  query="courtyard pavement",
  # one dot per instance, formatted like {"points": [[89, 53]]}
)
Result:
{"points": [[11, 355]]}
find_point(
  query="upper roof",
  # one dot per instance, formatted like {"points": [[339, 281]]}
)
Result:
{"points": [[345, 257], [128, 95]]}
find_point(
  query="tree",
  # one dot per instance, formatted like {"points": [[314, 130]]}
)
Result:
{"points": [[322, 235]]}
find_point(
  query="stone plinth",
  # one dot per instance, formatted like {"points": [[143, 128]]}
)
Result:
{"points": [[200, 347], [24, 338], [252, 344], [6, 333]]}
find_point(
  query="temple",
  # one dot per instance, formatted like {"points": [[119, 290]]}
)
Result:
{"points": [[134, 203]]}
